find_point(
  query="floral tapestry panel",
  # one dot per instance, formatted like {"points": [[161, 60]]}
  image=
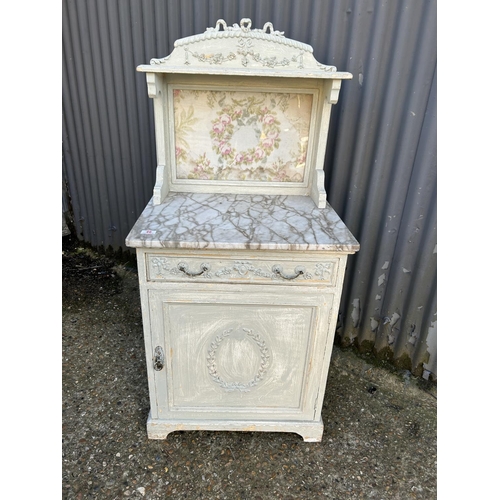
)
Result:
{"points": [[241, 136]]}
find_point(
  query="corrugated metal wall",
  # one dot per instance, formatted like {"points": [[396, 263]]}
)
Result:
{"points": [[381, 158]]}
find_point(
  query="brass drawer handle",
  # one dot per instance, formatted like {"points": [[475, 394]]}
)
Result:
{"points": [[182, 266], [158, 359], [278, 270]]}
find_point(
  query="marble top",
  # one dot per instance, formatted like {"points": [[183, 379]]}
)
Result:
{"points": [[241, 221]]}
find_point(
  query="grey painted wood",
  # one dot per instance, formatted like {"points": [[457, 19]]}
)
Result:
{"points": [[277, 269], [311, 431], [240, 285], [239, 350], [243, 355], [227, 59]]}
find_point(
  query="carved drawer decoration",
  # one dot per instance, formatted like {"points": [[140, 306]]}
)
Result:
{"points": [[274, 272]]}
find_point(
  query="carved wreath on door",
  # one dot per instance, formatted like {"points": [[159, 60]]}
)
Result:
{"points": [[237, 386]]}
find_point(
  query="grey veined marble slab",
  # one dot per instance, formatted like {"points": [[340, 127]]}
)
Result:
{"points": [[238, 221]]}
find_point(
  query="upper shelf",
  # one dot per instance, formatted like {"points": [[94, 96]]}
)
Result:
{"points": [[240, 50]]}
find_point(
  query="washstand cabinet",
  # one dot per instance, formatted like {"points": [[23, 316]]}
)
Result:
{"points": [[240, 257]]}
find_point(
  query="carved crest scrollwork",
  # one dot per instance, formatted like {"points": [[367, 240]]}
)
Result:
{"points": [[244, 37], [245, 25]]}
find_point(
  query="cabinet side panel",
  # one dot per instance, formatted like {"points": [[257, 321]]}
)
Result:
{"points": [[330, 337], [147, 329]]}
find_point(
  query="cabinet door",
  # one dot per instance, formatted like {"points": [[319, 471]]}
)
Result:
{"points": [[238, 354]]}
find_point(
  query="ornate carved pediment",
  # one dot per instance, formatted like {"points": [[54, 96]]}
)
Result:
{"points": [[239, 49]]}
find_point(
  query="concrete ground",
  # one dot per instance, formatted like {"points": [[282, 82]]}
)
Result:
{"points": [[380, 424]]}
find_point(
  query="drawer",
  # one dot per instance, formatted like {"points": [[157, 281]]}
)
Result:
{"points": [[272, 271]]}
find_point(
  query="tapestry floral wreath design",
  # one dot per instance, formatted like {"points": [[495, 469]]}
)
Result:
{"points": [[264, 122], [247, 112]]}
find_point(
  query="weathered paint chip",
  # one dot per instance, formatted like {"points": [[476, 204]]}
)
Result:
{"points": [[431, 341], [386, 265], [381, 279], [356, 312], [394, 319]]}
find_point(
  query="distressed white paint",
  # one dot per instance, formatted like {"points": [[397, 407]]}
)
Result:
{"points": [[189, 266], [240, 50], [228, 59], [295, 324], [287, 324], [310, 431], [240, 281]]}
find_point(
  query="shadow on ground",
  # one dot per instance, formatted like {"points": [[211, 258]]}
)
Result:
{"points": [[380, 425]]}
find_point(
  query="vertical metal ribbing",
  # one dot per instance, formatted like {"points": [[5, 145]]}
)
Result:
{"points": [[389, 176], [397, 156], [416, 252], [380, 162], [104, 120], [80, 85], [355, 166], [126, 169]]}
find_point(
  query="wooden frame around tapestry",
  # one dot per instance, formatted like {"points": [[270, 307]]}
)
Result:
{"points": [[219, 129]]}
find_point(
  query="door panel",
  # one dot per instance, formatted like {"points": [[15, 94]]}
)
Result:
{"points": [[238, 354]]}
